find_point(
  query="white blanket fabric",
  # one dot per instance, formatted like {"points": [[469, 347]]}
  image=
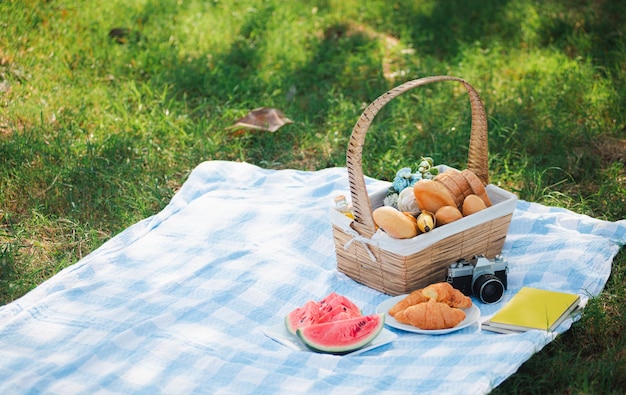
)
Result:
{"points": [[178, 303]]}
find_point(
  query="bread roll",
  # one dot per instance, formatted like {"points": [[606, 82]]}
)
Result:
{"points": [[447, 214], [431, 195], [473, 204], [394, 222]]}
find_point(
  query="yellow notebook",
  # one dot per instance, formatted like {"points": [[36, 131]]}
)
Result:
{"points": [[533, 308]]}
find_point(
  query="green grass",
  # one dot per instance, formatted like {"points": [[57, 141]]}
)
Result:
{"points": [[96, 134]]}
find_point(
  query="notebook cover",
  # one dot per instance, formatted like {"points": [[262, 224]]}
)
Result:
{"points": [[533, 308]]}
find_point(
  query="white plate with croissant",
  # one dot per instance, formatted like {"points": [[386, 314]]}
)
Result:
{"points": [[434, 310]]}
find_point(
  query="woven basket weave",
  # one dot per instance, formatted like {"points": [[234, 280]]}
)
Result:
{"points": [[395, 266]]}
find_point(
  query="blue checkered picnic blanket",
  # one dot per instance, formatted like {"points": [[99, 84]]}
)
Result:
{"points": [[178, 302]]}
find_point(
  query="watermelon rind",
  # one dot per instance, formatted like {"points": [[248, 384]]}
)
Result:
{"points": [[343, 336]]}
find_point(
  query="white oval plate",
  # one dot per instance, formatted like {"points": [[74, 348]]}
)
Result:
{"points": [[280, 334], [471, 316]]}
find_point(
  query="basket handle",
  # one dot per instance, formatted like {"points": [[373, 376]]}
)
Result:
{"points": [[477, 160]]}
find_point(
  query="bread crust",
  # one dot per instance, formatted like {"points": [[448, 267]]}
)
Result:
{"points": [[395, 223], [448, 180], [477, 186], [431, 195], [429, 316]]}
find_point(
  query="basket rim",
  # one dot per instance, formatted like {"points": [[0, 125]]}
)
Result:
{"points": [[477, 161], [504, 205]]}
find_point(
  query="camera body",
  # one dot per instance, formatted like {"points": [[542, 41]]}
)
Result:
{"points": [[484, 278]]}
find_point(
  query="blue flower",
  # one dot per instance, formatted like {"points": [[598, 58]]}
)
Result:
{"points": [[405, 172], [404, 178], [399, 183], [414, 178]]}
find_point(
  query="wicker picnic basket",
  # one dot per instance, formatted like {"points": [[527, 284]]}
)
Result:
{"points": [[396, 266]]}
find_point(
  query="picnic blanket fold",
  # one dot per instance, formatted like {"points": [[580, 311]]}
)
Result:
{"points": [[177, 302]]}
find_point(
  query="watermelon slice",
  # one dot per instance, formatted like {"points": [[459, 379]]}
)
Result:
{"points": [[303, 316], [335, 301], [336, 315], [337, 311], [328, 299], [342, 336], [330, 308]]}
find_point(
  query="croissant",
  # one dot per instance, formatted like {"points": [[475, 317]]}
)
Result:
{"points": [[414, 297], [459, 300], [438, 291], [445, 292], [431, 315]]}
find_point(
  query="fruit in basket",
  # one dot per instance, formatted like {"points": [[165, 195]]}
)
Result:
{"points": [[473, 204], [343, 336], [431, 195], [394, 222], [446, 198], [426, 221], [447, 214]]}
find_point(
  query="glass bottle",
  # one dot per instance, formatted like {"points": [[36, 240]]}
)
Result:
{"points": [[341, 205]]}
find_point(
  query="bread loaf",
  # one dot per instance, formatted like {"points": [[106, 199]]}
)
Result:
{"points": [[477, 186], [394, 222], [431, 195], [456, 184], [447, 214]]}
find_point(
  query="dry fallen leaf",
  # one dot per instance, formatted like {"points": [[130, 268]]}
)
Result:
{"points": [[123, 35], [264, 118]]}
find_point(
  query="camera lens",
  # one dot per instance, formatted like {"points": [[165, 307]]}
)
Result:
{"points": [[488, 288]]}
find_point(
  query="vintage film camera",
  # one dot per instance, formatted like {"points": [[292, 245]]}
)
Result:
{"points": [[481, 277]]}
